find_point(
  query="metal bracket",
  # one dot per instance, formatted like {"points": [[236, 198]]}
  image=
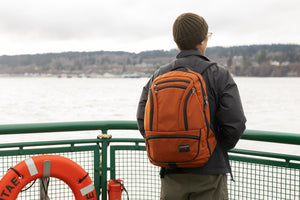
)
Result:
{"points": [[44, 182], [104, 136]]}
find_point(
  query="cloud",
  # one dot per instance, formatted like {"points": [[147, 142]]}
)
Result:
{"points": [[140, 25], [78, 19], [259, 22]]}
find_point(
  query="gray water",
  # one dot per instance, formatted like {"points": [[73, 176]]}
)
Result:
{"points": [[271, 104]]}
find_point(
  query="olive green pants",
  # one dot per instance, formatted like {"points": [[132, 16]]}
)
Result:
{"points": [[194, 187]]}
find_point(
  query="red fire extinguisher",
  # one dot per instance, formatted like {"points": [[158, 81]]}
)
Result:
{"points": [[115, 189]]}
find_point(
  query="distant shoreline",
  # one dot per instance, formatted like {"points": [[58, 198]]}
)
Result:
{"points": [[72, 76], [113, 76], [254, 61]]}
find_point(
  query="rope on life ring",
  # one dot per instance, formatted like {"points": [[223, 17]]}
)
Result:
{"points": [[60, 167]]}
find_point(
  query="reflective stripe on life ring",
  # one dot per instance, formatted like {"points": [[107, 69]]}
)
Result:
{"points": [[57, 166]]}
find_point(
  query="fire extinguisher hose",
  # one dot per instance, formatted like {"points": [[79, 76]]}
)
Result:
{"points": [[123, 188]]}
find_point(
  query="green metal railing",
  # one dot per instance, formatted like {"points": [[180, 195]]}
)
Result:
{"points": [[258, 174]]}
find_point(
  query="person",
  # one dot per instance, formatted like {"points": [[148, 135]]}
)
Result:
{"points": [[190, 33]]}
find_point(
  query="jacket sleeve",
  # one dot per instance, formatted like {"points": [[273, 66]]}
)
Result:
{"points": [[230, 115], [141, 107]]}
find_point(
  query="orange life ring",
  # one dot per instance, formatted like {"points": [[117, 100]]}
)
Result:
{"points": [[60, 167]]}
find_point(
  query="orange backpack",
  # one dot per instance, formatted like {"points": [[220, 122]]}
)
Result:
{"points": [[177, 121]]}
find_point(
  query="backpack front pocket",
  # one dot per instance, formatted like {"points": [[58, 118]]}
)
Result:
{"points": [[166, 101], [173, 147]]}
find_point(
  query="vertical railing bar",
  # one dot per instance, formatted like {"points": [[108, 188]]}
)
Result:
{"points": [[112, 163], [104, 166], [97, 172]]}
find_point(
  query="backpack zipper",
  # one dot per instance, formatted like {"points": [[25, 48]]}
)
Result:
{"points": [[185, 108], [169, 86], [151, 109], [172, 137], [205, 99], [173, 80]]}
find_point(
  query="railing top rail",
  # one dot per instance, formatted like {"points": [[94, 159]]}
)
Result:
{"points": [[74, 141], [270, 136], [257, 135], [66, 126]]}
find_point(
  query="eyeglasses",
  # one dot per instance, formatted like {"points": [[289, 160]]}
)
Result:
{"points": [[209, 34]]}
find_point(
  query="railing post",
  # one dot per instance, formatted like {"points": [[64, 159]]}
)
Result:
{"points": [[97, 172], [104, 167], [112, 164]]}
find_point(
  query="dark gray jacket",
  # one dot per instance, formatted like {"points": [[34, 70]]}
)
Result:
{"points": [[226, 111]]}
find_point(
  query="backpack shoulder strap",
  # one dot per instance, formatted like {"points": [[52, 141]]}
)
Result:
{"points": [[176, 64], [180, 67]]}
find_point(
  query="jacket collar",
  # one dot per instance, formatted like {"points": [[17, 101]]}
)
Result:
{"points": [[186, 53]]}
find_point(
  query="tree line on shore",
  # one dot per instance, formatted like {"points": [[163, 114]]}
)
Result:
{"points": [[277, 60]]}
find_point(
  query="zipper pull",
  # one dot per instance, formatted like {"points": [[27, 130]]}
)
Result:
{"points": [[205, 102], [193, 90]]}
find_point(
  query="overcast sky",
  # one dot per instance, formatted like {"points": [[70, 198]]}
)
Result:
{"points": [[42, 26]]}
